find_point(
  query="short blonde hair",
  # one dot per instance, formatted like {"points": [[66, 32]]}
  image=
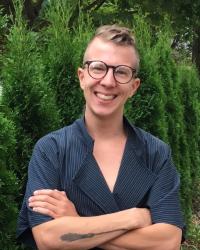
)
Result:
{"points": [[119, 35]]}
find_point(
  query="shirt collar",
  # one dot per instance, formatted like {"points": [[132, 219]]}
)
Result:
{"points": [[134, 134]]}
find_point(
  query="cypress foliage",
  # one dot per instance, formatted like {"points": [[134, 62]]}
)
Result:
{"points": [[62, 54], [174, 113], [8, 182], [9, 187], [28, 99], [147, 107], [189, 86]]}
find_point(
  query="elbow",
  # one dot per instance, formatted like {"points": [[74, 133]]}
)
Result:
{"points": [[44, 241], [170, 241], [174, 243], [171, 246], [167, 245]]}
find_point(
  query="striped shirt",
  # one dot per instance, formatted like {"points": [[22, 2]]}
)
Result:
{"points": [[64, 160]]}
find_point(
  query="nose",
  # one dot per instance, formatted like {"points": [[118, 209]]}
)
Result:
{"points": [[108, 80]]}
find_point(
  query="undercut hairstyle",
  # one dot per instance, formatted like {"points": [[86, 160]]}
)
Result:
{"points": [[119, 35]]}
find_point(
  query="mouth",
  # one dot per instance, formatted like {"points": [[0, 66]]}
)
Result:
{"points": [[105, 97]]}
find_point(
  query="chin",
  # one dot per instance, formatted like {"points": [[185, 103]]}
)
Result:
{"points": [[104, 114]]}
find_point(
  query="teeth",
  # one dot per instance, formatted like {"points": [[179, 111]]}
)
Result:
{"points": [[105, 97]]}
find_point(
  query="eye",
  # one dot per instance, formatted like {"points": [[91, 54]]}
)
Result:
{"points": [[97, 67], [123, 71]]}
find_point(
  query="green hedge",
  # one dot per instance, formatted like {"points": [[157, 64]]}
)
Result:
{"points": [[26, 94], [9, 187]]}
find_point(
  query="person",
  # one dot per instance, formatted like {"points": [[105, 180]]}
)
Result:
{"points": [[102, 183]]}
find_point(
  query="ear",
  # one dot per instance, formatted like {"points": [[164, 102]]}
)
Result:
{"points": [[80, 73], [135, 86]]}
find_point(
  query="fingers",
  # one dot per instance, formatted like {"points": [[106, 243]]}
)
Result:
{"points": [[48, 202], [36, 204], [45, 204], [43, 198], [52, 202], [49, 195], [45, 211], [54, 193]]}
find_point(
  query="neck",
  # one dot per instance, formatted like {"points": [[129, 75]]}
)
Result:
{"points": [[104, 128]]}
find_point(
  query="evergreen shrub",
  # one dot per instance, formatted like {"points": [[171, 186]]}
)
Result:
{"points": [[147, 106], [29, 100], [9, 187], [189, 86], [62, 54], [168, 72]]}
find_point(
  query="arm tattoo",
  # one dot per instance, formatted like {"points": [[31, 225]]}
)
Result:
{"points": [[74, 236]]}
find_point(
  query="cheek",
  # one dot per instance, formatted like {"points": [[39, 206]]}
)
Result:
{"points": [[131, 92], [89, 83], [128, 92], [84, 84], [87, 87], [85, 81]]}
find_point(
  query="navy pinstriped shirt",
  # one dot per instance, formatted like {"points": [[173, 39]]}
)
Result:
{"points": [[63, 160]]}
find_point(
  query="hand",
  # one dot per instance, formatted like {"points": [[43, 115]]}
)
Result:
{"points": [[52, 202]]}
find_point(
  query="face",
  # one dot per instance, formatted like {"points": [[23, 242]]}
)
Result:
{"points": [[105, 97]]}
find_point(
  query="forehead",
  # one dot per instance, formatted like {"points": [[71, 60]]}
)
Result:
{"points": [[110, 53]]}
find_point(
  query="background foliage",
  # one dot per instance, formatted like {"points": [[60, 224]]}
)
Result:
{"points": [[40, 90]]}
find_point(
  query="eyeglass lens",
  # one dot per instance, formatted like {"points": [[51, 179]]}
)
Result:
{"points": [[98, 70]]}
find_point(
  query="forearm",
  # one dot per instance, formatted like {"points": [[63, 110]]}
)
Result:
{"points": [[70, 231], [154, 237], [83, 232]]}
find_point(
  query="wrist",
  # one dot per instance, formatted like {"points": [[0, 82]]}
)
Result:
{"points": [[130, 219], [141, 217]]}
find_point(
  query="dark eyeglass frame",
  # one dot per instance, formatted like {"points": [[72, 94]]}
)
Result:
{"points": [[133, 70]]}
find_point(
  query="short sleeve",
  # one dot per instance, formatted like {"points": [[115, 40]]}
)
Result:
{"points": [[163, 201], [43, 173]]}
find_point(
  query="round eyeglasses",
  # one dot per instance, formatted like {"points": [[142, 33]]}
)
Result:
{"points": [[121, 73]]}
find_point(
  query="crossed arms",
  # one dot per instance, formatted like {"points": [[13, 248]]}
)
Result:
{"points": [[129, 229]]}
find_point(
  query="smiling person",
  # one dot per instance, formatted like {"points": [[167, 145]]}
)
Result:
{"points": [[102, 183]]}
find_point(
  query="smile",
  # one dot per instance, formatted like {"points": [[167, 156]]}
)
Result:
{"points": [[105, 97]]}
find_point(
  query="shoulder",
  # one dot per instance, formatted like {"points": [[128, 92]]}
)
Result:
{"points": [[145, 140], [56, 140], [152, 142]]}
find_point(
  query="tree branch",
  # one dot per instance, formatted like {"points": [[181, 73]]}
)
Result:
{"points": [[74, 15], [175, 41], [196, 48], [32, 10], [96, 3]]}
